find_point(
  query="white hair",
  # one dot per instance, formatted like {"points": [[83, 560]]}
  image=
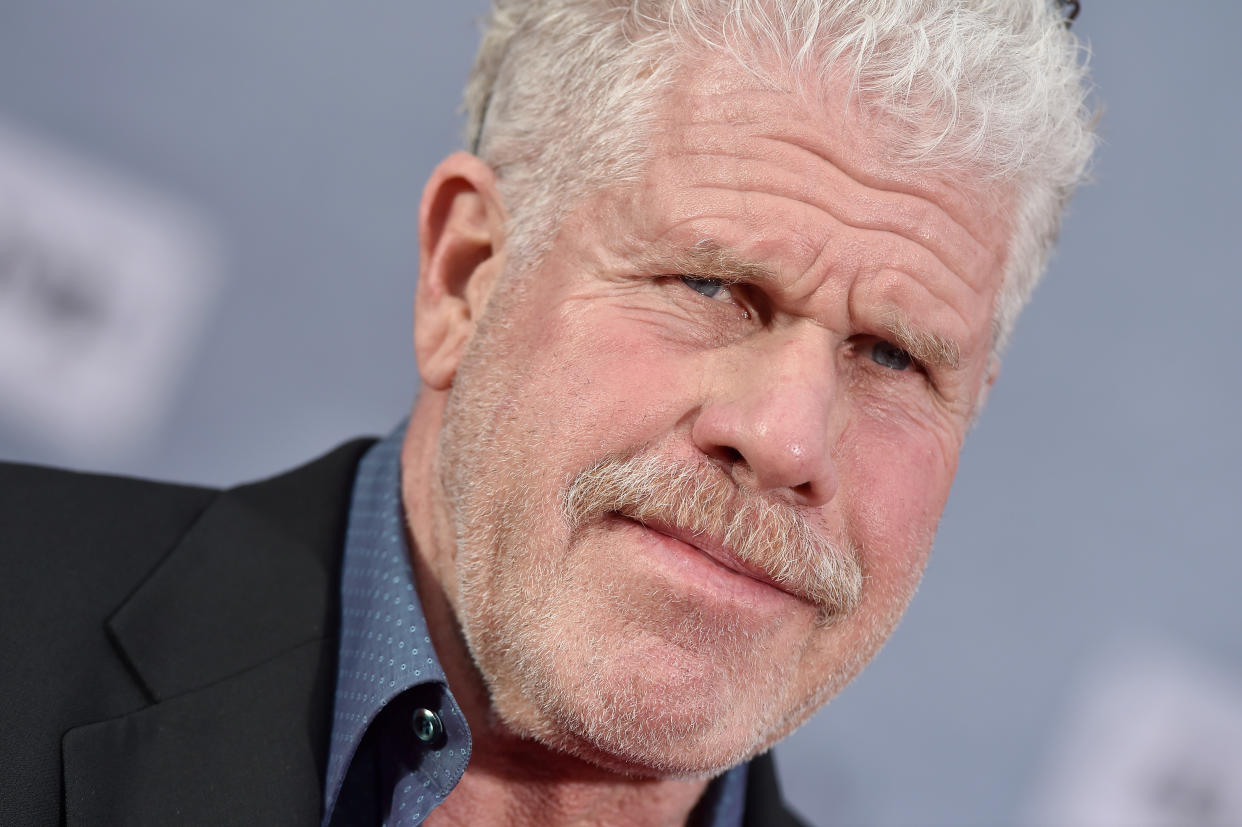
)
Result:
{"points": [[563, 93]]}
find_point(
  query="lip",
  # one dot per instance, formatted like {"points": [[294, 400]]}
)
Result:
{"points": [[714, 551]]}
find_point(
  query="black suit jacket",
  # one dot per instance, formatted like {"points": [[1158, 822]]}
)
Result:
{"points": [[169, 652]]}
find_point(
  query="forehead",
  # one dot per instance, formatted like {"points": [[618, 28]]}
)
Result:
{"points": [[806, 189], [725, 140], [826, 119]]}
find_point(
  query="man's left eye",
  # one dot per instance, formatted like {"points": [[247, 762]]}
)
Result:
{"points": [[711, 288], [890, 356]]}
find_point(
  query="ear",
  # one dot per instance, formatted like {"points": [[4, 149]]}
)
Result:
{"points": [[989, 379], [461, 223]]}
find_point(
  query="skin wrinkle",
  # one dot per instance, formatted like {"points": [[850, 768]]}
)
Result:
{"points": [[710, 259], [773, 537], [723, 111], [947, 368], [917, 230], [887, 293], [914, 230], [1004, 121], [961, 316], [951, 283], [806, 198], [944, 351], [812, 196], [641, 311], [687, 228]]}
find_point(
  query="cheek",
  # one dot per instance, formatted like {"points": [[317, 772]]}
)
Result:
{"points": [[603, 384], [895, 479]]}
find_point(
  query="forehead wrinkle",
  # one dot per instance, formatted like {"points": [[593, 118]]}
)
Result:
{"points": [[843, 207], [869, 248], [837, 260], [896, 191], [841, 136], [882, 207], [709, 258], [895, 201], [829, 123]]}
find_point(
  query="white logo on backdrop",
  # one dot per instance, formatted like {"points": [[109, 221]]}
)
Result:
{"points": [[104, 288], [1154, 740]]}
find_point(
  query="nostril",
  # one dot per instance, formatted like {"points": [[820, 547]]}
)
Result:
{"points": [[725, 457], [728, 455]]}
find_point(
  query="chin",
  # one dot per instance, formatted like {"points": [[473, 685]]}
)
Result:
{"points": [[625, 740], [651, 711], [608, 665]]}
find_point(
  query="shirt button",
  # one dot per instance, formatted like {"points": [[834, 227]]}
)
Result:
{"points": [[428, 727]]}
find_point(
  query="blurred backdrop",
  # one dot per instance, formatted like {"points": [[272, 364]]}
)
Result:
{"points": [[207, 262]]}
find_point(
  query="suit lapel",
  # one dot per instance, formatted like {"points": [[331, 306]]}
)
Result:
{"points": [[233, 639], [245, 750], [764, 805], [236, 591]]}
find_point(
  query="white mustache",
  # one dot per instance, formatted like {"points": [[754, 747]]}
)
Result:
{"points": [[770, 536]]}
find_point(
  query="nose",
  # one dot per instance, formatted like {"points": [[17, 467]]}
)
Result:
{"points": [[768, 421]]}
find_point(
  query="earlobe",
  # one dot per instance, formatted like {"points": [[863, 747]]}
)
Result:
{"points": [[994, 366], [461, 243], [989, 379]]}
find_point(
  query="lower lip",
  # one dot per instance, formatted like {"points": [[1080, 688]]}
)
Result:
{"points": [[697, 572]]}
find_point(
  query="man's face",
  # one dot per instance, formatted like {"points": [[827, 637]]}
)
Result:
{"points": [[815, 405]]}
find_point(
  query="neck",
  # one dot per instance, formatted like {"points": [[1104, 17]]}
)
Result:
{"points": [[510, 779]]}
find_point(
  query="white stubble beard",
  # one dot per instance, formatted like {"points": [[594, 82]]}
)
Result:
{"points": [[559, 643]]}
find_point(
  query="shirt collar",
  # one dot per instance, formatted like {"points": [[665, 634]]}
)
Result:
{"points": [[385, 648]]}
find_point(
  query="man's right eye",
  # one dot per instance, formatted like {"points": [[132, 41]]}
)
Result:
{"points": [[711, 288]]}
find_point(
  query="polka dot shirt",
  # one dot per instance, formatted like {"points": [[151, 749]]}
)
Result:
{"points": [[399, 741]]}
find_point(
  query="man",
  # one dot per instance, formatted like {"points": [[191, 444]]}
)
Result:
{"points": [[701, 322]]}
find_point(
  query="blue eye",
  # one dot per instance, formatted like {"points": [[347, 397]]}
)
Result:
{"points": [[711, 288], [890, 356]]}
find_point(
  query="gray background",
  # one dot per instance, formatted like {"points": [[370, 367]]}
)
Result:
{"points": [[1096, 500]]}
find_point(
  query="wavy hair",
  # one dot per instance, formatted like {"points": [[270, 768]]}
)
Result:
{"points": [[563, 93]]}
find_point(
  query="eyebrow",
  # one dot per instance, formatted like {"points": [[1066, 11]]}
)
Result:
{"points": [[708, 260], [925, 346]]}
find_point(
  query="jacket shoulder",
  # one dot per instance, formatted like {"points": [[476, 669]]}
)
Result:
{"points": [[72, 541], [72, 547], [765, 806], [76, 548]]}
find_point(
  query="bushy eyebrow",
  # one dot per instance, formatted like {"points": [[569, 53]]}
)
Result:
{"points": [[710, 260], [706, 260], [924, 346]]}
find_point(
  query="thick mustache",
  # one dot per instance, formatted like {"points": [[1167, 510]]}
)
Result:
{"points": [[772, 537]]}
